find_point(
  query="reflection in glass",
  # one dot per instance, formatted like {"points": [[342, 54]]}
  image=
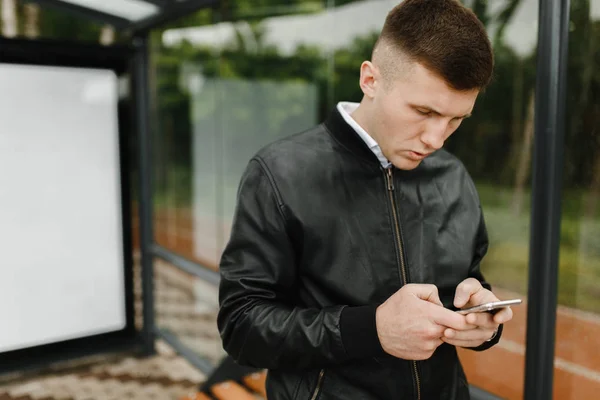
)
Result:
{"points": [[231, 120], [577, 364], [186, 307], [222, 91], [238, 88], [496, 147]]}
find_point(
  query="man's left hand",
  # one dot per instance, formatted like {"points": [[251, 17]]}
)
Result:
{"points": [[470, 293]]}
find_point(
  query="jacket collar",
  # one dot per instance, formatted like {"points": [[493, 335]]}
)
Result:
{"points": [[345, 135]]}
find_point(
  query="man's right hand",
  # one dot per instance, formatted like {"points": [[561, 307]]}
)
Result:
{"points": [[412, 321]]}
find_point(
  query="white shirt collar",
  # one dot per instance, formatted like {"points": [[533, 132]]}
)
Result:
{"points": [[345, 109]]}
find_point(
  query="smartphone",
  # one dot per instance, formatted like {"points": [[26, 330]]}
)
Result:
{"points": [[487, 307]]}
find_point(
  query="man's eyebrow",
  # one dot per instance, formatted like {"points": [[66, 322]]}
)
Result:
{"points": [[429, 109]]}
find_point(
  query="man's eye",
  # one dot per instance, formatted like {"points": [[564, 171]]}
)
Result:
{"points": [[423, 112]]}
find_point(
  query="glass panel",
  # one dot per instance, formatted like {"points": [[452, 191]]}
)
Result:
{"points": [[130, 9], [225, 85], [187, 307], [223, 89], [577, 363], [268, 70], [496, 147]]}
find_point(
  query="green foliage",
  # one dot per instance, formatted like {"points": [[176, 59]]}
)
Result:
{"points": [[489, 143], [495, 131], [507, 266]]}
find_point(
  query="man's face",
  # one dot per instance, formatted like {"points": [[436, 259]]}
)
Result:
{"points": [[413, 115]]}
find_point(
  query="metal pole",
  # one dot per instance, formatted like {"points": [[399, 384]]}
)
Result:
{"points": [[546, 197], [142, 111], [203, 364], [193, 268]]}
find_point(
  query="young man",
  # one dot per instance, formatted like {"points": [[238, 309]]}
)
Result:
{"points": [[354, 243]]}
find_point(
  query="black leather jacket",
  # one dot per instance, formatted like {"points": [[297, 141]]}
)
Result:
{"points": [[322, 235]]}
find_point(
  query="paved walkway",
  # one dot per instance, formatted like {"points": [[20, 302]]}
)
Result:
{"points": [[165, 376]]}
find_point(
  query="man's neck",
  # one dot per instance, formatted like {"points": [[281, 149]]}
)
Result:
{"points": [[360, 116]]}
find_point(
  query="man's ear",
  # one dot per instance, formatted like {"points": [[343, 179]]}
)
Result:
{"points": [[369, 78]]}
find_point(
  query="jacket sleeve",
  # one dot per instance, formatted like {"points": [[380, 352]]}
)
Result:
{"points": [[481, 247], [259, 323]]}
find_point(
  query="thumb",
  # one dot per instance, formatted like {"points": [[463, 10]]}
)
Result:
{"points": [[464, 291], [428, 293]]}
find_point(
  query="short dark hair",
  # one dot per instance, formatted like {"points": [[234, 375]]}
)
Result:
{"points": [[445, 37]]}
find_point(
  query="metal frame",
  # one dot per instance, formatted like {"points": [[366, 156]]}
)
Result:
{"points": [[148, 248], [169, 13], [191, 267], [197, 361], [169, 10], [548, 157], [77, 10], [66, 54], [122, 59], [141, 114]]}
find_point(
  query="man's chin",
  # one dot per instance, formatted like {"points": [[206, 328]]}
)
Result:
{"points": [[405, 163]]}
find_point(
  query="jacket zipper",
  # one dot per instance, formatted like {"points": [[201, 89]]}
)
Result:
{"points": [[319, 384], [400, 256]]}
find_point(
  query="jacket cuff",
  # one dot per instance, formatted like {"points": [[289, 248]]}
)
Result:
{"points": [[359, 332], [492, 342]]}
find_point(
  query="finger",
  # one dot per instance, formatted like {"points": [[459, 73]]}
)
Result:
{"points": [[469, 335], [427, 292], [465, 290], [482, 320], [483, 296], [463, 343], [435, 332], [503, 315], [450, 319]]}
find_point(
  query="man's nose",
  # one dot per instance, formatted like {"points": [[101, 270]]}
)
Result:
{"points": [[435, 134]]}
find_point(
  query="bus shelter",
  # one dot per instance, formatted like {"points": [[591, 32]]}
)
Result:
{"points": [[80, 307]]}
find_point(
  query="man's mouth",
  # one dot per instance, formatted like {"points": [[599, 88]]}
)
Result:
{"points": [[415, 155]]}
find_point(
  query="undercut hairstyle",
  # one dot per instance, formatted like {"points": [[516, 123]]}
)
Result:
{"points": [[442, 35]]}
